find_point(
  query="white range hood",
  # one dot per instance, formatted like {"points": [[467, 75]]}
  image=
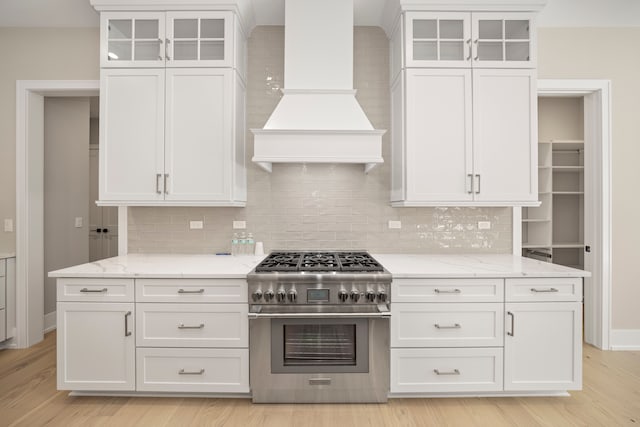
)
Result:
{"points": [[318, 120]]}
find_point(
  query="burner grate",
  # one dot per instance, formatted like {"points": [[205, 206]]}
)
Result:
{"points": [[320, 262]]}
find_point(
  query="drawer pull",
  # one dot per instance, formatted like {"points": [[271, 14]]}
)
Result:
{"points": [[127, 332], [183, 372], [544, 290], [96, 291], [319, 381], [447, 291], [513, 319], [183, 326], [199, 291], [454, 372], [454, 326]]}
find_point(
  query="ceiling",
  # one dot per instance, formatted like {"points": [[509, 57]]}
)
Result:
{"points": [[557, 13]]}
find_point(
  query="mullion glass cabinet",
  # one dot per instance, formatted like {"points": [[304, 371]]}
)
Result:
{"points": [[166, 39]]}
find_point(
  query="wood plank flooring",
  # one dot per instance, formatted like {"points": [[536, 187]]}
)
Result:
{"points": [[28, 397]]}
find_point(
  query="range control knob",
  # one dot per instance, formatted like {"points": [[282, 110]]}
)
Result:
{"points": [[257, 295], [382, 296], [343, 296], [355, 296], [281, 295], [292, 295], [268, 295], [371, 296]]}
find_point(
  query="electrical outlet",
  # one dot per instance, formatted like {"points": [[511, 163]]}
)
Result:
{"points": [[395, 224], [484, 225], [196, 225], [239, 225], [8, 225], [78, 222]]}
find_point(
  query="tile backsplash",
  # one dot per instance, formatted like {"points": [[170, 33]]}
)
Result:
{"points": [[317, 206]]}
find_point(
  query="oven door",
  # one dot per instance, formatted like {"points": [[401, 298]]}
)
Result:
{"points": [[319, 354]]}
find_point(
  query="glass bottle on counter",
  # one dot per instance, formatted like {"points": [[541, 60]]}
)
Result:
{"points": [[242, 244], [234, 244], [251, 244]]}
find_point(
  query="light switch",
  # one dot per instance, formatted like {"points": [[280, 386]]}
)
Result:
{"points": [[239, 225], [196, 225], [484, 225], [395, 224], [78, 222], [8, 225]]}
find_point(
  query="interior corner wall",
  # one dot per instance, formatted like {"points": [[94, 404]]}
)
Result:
{"points": [[35, 54], [611, 54]]}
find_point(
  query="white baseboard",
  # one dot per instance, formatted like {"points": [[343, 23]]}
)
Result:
{"points": [[49, 322], [625, 339]]}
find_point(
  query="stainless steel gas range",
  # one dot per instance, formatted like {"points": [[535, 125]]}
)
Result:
{"points": [[319, 328]]}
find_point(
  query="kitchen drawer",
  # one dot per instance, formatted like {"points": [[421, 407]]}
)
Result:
{"points": [[544, 289], [95, 290], [193, 370], [191, 290], [447, 290], [192, 325], [442, 370], [447, 325]]}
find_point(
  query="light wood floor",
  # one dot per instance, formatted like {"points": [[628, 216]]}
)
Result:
{"points": [[28, 397]]}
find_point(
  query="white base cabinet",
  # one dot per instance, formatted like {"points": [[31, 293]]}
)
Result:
{"points": [[96, 346], [449, 339]]}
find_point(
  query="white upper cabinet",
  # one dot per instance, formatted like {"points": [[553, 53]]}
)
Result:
{"points": [[463, 39], [171, 39]]}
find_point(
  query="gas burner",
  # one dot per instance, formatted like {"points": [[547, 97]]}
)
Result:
{"points": [[358, 261], [280, 261], [319, 262]]}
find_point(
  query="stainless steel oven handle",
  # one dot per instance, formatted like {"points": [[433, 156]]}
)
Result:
{"points": [[317, 315]]}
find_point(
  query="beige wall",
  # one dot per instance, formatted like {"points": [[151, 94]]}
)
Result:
{"points": [[35, 54], [66, 188], [321, 206], [613, 54]]}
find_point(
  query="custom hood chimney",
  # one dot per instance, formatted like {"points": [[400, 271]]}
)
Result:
{"points": [[318, 120]]}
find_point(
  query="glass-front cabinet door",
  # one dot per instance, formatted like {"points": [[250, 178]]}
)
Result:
{"points": [[198, 39], [504, 40], [441, 39], [132, 39]]}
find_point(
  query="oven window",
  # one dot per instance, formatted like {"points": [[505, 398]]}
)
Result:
{"points": [[319, 345]]}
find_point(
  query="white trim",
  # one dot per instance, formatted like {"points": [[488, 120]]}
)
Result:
{"points": [[625, 339], [49, 322], [29, 264], [597, 95], [516, 221], [123, 230]]}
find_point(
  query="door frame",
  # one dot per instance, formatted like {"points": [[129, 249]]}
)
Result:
{"points": [[29, 199], [597, 113]]}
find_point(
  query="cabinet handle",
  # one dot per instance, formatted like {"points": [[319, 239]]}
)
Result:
{"points": [[166, 188], [158, 175], [319, 381], [183, 326], [199, 291], [477, 54], [478, 189], [96, 291], [544, 290], [469, 45], [160, 58], [512, 324], [447, 291], [454, 372], [454, 326], [183, 372], [127, 332], [166, 50], [470, 182]]}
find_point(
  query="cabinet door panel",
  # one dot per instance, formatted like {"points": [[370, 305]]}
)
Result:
{"points": [[543, 346], [131, 134], [94, 350], [504, 40], [504, 135], [438, 135], [198, 140], [132, 39], [438, 39]]}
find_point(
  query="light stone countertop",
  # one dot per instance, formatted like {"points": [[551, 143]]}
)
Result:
{"points": [[451, 266], [4, 255], [400, 266]]}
